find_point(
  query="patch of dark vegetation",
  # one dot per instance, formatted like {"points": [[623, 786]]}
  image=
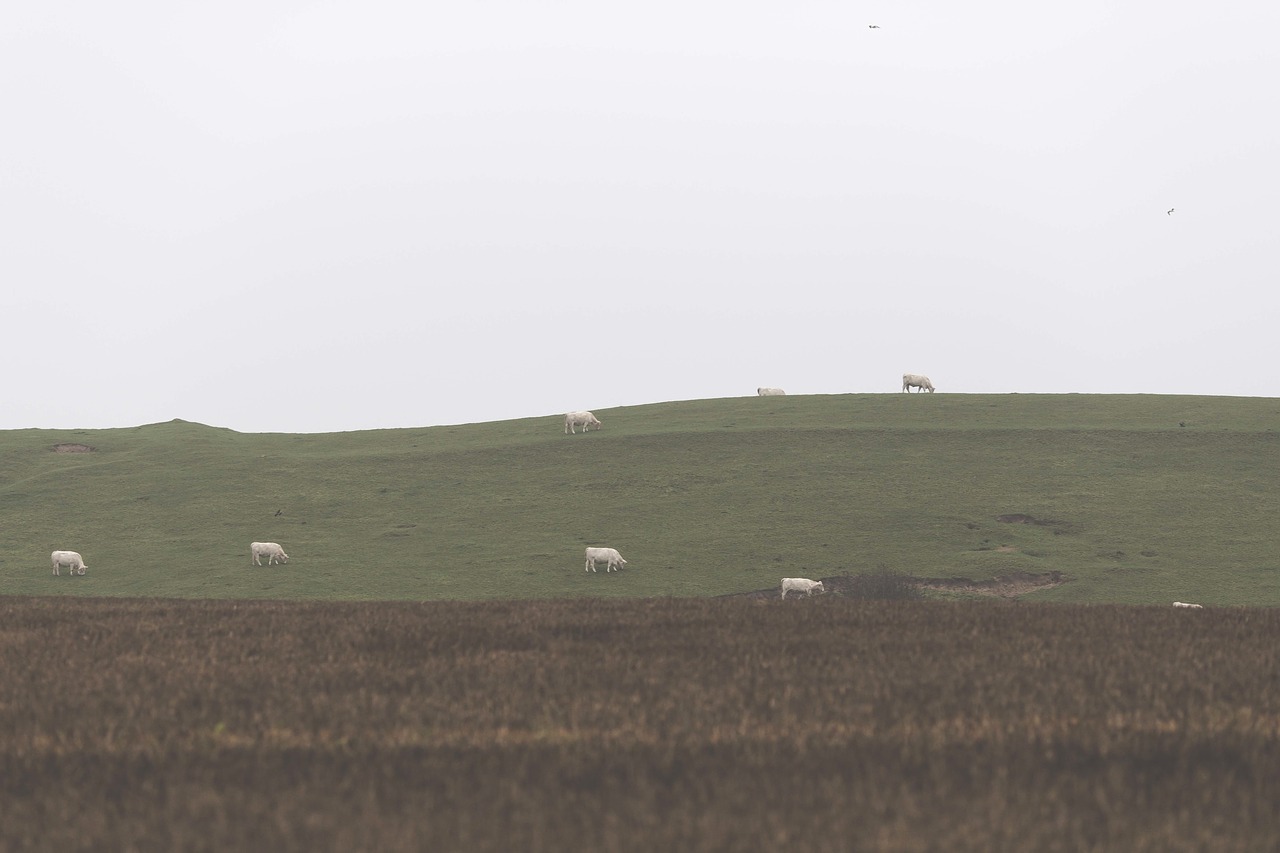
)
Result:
{"points": [[880, 585], [1016, 518], [674, 724], [72, 447], [1023, 518]]}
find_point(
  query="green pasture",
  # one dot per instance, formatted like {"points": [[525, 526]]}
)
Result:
{"points": [[1139, 499]]}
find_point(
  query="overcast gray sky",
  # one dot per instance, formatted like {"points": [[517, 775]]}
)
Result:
{"points": [[310, 216]]}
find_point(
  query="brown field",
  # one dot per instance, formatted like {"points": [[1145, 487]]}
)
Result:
{"points": [[617, 725]]}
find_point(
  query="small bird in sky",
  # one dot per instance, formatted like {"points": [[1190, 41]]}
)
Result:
{"points": [[1169, 212], [873, 26]]}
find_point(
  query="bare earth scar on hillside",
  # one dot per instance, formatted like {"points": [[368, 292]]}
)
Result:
{"points": [[1023, 518], [1008, 586], [72, 448], [1004, 586]]}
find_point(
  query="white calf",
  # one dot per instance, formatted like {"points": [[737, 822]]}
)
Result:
{"points": [[573, 420], [804, 585], [609, 555], [271, 550], [73, 561], [915, 380], [771, 392], [1192, 606]]}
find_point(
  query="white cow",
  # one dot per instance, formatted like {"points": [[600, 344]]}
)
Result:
{"points": [[573, 420], [771, 392], [73, 561], [915, 380], [804, 585], [271, 550], [1192, 606], [609, 555]]}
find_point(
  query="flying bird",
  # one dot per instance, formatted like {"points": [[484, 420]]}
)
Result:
{"points": [[873, 26], [279, 511], [1169, 212]]}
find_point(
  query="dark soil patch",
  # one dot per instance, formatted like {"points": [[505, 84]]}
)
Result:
{"points": [[905, 586], [1023, 518]]}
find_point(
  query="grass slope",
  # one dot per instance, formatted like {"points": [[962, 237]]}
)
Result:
{"points": [[1154, 498]]}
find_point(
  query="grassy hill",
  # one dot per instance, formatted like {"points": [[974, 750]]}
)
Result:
{"points": [[1137, 498]]}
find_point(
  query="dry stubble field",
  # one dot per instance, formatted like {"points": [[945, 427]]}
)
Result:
{"points": [[657, 724]]}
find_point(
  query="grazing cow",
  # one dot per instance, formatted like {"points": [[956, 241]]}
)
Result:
{"points": [[804, 585], [271, 550], [915, 380], [573, 420], [609, 555], [1192, 606], [771, 392], [73, 561]]}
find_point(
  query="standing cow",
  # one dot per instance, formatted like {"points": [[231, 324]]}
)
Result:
{"points": [[573, 420], [72, 560], [916, 380], [804, 585], [271, 550], [611, 557]]}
